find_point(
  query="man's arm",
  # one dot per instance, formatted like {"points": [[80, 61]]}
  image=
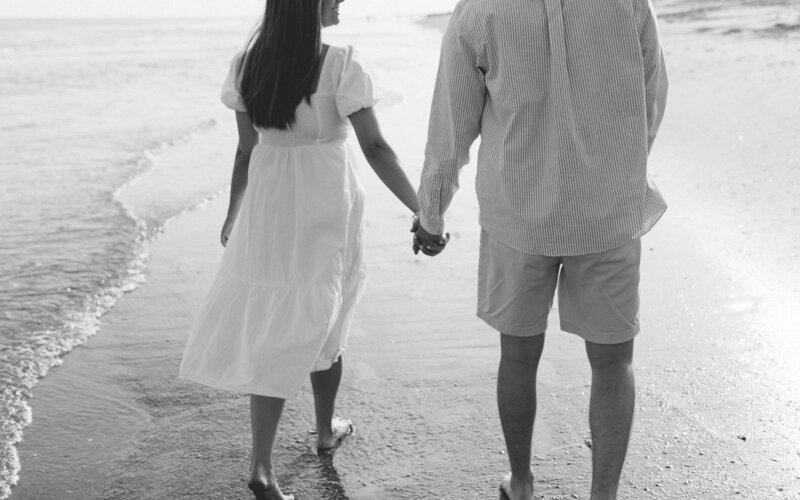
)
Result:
{"points": [[655, 72], [458, 102]]}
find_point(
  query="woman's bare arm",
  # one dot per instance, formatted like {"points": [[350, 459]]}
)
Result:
{"points": [[381, 157], [248, 138]]}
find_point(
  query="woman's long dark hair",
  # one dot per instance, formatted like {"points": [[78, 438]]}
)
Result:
{"points": [[281, 62]]}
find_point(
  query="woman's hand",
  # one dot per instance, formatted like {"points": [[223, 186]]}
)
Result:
{"points": [[227, 226]]}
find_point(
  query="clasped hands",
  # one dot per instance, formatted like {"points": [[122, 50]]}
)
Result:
{"points": [[430, 244]]}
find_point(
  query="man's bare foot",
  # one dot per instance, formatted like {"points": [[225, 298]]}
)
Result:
{"points": [[512, 488], [328, 440]]}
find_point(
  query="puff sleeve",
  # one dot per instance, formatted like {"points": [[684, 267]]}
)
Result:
{"points": [[231, 90], [356, 90]]}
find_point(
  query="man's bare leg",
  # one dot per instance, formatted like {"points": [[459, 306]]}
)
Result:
{"points": [[610, 414], [265, 413], [516, 402]]}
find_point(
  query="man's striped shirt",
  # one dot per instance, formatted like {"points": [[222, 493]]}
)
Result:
{"points": [[567, 96]]}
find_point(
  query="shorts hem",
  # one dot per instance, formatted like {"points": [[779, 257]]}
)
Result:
{"points": [[514, 331], [600, 337]]}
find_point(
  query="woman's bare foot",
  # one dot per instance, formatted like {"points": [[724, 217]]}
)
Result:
{"points": [[264, 485], [328, 440], [517, 488], [267, 491]]}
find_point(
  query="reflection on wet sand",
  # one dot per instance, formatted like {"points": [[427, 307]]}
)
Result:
{"points": [[311, 475]]}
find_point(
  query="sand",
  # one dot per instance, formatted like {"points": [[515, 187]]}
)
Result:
{"points": [[718, 390]]}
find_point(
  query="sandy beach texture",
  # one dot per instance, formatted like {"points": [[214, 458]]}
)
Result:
{"points": [[718, 388]]}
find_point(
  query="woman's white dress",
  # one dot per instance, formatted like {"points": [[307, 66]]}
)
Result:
{"points": [[293, 270]]}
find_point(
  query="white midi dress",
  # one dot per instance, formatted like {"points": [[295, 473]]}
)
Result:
{"points": [[293, 270]]}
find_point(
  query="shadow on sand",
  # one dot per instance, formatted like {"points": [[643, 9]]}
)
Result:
{"points": [[313, 477]]}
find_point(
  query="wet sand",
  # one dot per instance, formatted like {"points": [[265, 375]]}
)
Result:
{"points": [[718, 389]]}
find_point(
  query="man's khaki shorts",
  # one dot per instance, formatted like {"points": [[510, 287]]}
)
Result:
{"points": [[598, 294]]}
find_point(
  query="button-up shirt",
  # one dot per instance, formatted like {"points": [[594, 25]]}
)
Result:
{"points": [[567, 96]]}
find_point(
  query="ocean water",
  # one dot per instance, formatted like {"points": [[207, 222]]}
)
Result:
{"points": [[107, 129]]}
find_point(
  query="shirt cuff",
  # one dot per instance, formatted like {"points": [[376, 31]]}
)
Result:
{"points": [[431, 227]]}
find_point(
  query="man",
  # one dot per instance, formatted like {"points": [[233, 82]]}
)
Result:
{"points": [[567, 96]]}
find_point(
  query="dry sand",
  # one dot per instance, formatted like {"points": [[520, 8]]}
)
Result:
{"points": [[718, 390]]}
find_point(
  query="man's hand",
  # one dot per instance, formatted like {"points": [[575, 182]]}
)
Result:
{"points": [[430, 244]]}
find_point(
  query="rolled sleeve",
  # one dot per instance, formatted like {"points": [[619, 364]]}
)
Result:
{"points": [[455, 119]]}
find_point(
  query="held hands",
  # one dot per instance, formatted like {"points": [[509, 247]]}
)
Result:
{"points": [[430, 244]]}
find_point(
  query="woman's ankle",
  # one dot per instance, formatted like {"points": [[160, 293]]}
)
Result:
{"points": [[260, 471]]}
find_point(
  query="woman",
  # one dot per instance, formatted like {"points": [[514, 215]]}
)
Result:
{"points": [[293, 269]]}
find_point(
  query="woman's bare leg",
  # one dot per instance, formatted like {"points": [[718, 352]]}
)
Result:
{"points": [[325, 384], [265, 413]]}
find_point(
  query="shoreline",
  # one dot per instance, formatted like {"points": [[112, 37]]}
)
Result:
{"points": [[114, 422]]}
